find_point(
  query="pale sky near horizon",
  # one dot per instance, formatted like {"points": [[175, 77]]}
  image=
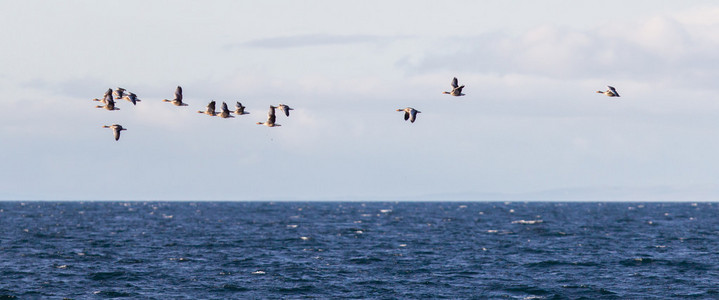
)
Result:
{"points": [[531, 121]]}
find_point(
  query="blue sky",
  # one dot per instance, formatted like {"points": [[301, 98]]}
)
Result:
{"points": [[530, 128]]}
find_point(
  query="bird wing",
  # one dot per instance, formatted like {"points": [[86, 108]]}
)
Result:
{"points": [[178, 93], [406, 115], [455, 84], [116, 130], [611, 88], [413, 115], [110, 103], [211, 106], [224, 107]]}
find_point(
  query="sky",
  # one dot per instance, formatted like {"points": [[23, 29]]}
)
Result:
{"points": [[531, 126]]}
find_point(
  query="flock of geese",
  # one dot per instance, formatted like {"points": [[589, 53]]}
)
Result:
{"points": [[108, 101]]}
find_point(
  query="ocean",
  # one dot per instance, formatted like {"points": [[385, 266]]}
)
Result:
{"points": [[372, 250]]}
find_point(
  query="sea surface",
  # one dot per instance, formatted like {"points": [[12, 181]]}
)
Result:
{"points": [[373, 250]]}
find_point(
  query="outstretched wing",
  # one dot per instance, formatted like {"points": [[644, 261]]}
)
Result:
{"points": [[224, 107], [211, 106], [406, 115], [133, 98], [455, 84], [614, 91], [116, 130], [178, 93]]}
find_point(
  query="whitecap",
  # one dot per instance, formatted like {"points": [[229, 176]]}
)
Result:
{"points": [[258, 272], [527, 222], [384, 211]]}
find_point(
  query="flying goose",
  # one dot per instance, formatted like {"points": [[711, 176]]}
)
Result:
{"points": [[270, 118], [116, 129], [409, 113], [119, 93], [109, 103], [210, 110], [225, 112], [132, 98], [239, 109], [107, 93], [178, 97], [456, 88], [611, 92], [285, 108]]}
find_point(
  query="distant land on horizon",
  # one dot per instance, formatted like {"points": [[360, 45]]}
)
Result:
{"points": [[704, 193]]}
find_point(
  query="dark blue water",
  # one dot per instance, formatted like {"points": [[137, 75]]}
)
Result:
{"points": [[181, 250]]}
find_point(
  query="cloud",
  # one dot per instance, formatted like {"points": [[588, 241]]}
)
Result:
{"points": [[660, 49]]}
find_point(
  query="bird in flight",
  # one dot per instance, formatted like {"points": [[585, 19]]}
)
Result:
{"points": [[270, 118], [178, 97], [116, 129], [210, 110], [409, 113], [611, 92], [456, 88]]}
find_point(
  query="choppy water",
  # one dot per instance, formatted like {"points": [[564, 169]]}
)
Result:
{"points": [[181, 250]]}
